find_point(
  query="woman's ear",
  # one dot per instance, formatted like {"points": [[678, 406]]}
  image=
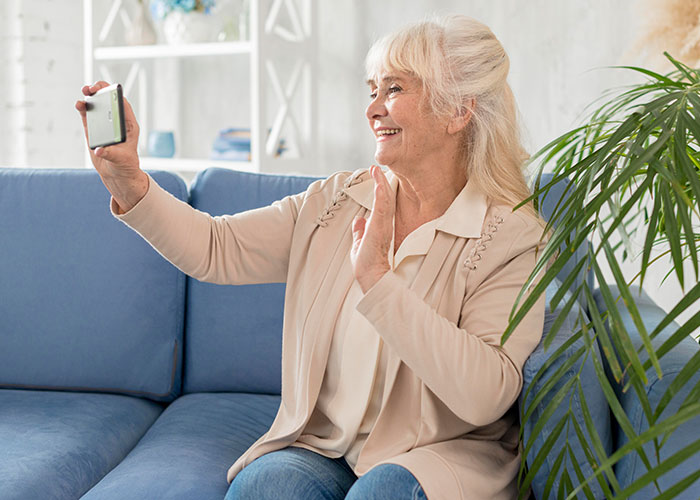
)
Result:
{"points": [[461, 117]]}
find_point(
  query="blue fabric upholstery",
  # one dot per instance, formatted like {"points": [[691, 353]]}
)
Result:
{"points": [[234, 333], [547, 205], [186, 454], [631, 466], [85, 304], [592, 393], [58, 444], [83, 296]]}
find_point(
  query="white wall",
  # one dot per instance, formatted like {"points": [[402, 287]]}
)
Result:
{"points": [[41, 56], [554, 47], [558, 52]]}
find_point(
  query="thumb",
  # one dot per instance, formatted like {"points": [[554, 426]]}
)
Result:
{"points": [[107, 153]]}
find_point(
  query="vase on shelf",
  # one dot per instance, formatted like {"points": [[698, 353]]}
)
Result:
{"points": [[190, 27]]}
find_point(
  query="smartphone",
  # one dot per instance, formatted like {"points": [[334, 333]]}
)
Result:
{"points": [[105, 117]]}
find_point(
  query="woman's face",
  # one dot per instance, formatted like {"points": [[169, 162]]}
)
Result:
{"points": [[406, 131]]}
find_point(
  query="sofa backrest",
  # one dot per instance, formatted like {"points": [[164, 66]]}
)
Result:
{"points": [[586, 391], [547, 205], [85, 303], [234, 333]]}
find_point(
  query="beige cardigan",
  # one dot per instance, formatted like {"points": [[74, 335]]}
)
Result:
{"points": [[447, 413]]}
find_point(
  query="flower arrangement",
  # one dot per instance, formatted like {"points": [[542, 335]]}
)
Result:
{"points": [[161, 8]]}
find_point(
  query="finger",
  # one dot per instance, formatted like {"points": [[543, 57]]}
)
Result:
{"points": [[381, 220], [382, 185], [379, 204], [380, 226], [358, 229], [82, 108], [378, 176], [91, 89]]}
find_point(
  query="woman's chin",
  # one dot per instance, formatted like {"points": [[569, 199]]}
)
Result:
{"points": [[382, 158]]}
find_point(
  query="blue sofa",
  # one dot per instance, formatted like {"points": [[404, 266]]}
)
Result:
{"points": [[120, 377]]}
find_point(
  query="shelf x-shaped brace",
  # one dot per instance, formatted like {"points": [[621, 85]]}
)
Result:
{"points": [[115, 10], [297, 33], [285, 97]]}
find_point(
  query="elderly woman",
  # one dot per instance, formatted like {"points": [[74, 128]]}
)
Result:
{"points": [[394, 380]]}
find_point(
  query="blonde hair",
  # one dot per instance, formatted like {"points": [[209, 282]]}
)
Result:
{"points": [[459, 59]]}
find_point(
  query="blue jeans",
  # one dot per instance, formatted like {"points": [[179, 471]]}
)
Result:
{"points": [[297, 473]]}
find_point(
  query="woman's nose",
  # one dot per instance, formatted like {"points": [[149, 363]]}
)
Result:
{"points": [[376, 109]]}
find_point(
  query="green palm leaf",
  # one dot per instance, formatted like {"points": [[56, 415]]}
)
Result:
{"points": [[634, 179]]}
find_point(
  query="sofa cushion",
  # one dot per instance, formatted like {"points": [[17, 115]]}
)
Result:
{"points": [[631, 467], [234, 333], [85, 303], [59, 444], [592, 394], [186, 454]]}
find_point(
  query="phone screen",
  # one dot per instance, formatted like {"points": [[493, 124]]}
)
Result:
{"points": [[105, 117]]}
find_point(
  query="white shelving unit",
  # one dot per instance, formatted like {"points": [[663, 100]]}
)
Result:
{"points": [[282, 104], [161, 51]]}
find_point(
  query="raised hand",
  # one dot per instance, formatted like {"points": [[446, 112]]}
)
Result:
{"points": [[118, 165], [371, 238]]}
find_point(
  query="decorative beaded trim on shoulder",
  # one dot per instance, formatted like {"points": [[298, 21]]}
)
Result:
{"points": [[339, 197], [483, 242], [356, 177]]}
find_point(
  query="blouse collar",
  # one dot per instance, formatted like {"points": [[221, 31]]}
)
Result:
{"points": [[464, 218]]}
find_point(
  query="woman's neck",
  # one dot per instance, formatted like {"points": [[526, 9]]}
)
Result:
{"points": [[420, 199], [426, 197]]}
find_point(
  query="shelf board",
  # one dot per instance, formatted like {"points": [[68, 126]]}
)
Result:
{"points": [[194, 165], [162, 50]]}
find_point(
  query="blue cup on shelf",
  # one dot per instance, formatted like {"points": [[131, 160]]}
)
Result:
{"points": [[161, 143]]}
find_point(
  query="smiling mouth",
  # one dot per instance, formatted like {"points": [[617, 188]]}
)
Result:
{"points": [[388, 131]]}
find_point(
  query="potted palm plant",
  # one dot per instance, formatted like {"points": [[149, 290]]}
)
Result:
{"points": [[634, 175]]}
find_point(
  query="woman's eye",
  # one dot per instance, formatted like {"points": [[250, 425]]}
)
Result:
{"points": [[391, 90]]}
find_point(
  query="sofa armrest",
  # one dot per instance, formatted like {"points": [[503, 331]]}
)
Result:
{"points": [[631, 466], [652, 314]]}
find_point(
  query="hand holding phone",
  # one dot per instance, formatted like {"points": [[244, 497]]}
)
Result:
{"points": [[113, 143], [105, 117]]}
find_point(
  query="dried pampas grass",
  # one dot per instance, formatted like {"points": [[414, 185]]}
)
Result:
{"points": [[672, 26]]}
